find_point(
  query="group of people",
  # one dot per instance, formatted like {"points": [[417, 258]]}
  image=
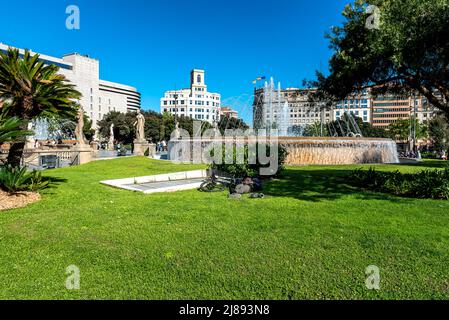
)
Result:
{"points": [[161, 146], [411, 154]]}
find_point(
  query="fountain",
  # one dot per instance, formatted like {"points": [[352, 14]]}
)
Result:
{"points": [[338, 150], [350, 149], [277, 109], [56, 143]]}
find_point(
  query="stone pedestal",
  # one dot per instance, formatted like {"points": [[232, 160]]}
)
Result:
{"points": [[141, 147], [85, 153], [94, 146]]}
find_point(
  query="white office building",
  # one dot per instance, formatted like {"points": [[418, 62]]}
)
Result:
{"points": [[195, 102], [98, 96], [359, 105]]}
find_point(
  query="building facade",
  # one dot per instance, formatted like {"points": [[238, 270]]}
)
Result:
{"points": [[289, 110], [387, 109], [359, 105], [98, 96], [229, 112], [194, 102]]}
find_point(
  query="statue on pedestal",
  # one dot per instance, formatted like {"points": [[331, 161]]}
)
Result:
{"points": [[140, 127], [79, 133], [111, 138], [141, 146], [176, 133], [216, 129]]}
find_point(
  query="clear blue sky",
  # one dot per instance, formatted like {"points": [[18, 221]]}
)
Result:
{"points": [[153, 44]]}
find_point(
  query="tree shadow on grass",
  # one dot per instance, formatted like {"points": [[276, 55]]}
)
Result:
{"points": [[319, 185], [431, 164], [53, 182]]}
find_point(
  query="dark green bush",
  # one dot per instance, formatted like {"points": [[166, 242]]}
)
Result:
{"points": [[433, 184], [36, 181], [15, 179], [246, 169], [429, 155]]}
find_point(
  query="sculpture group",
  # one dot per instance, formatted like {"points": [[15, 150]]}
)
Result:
{"points": [[141, 145]]}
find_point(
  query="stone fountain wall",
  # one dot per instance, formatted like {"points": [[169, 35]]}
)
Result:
{"points": [[336, 151], [331, 151]]}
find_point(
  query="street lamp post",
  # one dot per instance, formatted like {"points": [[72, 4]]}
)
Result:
{"points": [[176, 108]]}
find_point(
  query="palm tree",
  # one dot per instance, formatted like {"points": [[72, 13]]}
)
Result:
{"points": [[10, 130], [32, 89]]}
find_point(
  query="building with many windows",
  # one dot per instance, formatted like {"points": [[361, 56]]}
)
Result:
{"points": [[387, 109], [98, 96], [359, 105], [291, 109], [194, 102]]}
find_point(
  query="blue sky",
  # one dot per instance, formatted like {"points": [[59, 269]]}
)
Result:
{"points": [[153, 44]]}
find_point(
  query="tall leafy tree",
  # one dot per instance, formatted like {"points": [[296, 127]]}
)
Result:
{"points": [[228, 122], [439, 133], [315, 130], [124, 131], [401, 129], [405, 50], [158, 126], [31, 89]]}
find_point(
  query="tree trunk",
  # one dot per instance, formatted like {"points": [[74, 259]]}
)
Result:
{"points": [[16, 151], [15, 154]]}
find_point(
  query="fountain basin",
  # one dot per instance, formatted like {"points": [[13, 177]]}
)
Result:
{"points": [[314, 150], [339, 150]]}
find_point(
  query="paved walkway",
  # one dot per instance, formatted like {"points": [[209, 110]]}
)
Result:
{"points": [[164, 184]]}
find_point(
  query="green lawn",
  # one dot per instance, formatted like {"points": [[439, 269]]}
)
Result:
{"points": [[311, 238]]}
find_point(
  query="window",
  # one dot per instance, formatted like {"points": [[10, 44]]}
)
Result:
{"points": [[198, 79]]}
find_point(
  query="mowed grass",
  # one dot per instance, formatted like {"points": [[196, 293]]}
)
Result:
{"points": [[311, 238]]}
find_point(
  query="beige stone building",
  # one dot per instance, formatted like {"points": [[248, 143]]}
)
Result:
{"points": [[229, 112], [291, 108]]}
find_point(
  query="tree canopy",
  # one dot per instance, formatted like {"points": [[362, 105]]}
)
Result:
{"points": [[29, 88], [227, 122], [408, 51], [401, 129], [439, 133], [158, 126]]}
